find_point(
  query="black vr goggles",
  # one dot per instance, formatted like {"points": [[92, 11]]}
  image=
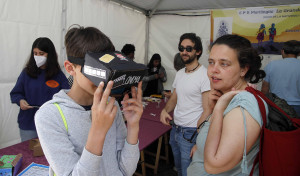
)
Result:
{"points": [[108, 66]]}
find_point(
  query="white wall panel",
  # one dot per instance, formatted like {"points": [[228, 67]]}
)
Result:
{"points": [[21, 22], [121, 24]]}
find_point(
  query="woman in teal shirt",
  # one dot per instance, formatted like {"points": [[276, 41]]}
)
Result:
{"points": [[228, 140]]}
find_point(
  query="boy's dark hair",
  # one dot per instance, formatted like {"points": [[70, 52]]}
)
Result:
{"points": [[291, 47], [247, 55], [127, 49], [195, 39], [80, 40], [52, 65]]}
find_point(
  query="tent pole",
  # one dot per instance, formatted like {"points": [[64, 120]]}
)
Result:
{"points": [[63, 31], [147, 40]]}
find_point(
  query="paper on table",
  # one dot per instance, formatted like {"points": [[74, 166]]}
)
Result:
{"points": [[35, 170]]}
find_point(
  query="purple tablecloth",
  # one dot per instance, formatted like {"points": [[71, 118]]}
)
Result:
{"points": [[152, 111], [28, 157], [150, 131]]}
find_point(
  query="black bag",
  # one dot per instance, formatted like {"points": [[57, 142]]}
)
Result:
{"points": [[277, 121]]}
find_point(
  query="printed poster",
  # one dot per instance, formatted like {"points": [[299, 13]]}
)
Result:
{"points": [[265, 27]]}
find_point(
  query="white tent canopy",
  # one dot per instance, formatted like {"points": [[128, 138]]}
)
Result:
{"points": [[161, 6], [126, 21]]}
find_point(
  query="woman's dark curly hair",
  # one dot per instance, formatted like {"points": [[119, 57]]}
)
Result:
{"points": [[247, 56]]}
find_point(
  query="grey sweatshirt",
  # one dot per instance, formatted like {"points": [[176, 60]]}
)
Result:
{"points": [[65, 150]]}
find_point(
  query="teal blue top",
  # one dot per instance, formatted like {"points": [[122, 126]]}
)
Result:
{"points": [[244, 100]]}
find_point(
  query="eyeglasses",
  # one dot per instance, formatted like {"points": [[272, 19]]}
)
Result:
{"points": [[188, 48], [191, 140]]}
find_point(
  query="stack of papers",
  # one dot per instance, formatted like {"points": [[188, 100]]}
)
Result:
{"points": [[35, 170]]}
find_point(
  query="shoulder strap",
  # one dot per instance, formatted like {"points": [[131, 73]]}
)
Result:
{"points": [[62, 116], [244, 164], [262, 109]]}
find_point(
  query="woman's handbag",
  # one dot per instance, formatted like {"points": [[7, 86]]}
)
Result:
{"points": [[279, 151]]}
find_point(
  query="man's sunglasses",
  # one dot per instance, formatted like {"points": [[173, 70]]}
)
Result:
{"points": [[188, 48]]}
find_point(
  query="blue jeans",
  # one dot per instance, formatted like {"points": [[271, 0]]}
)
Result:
{"points": [[181, 147], [28, 134]]}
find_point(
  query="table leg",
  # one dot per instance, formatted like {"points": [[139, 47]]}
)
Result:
{"points": [[157, 155], [166, 148], [143, 163]]}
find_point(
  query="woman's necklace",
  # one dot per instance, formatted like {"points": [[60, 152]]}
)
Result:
{"points": [[192, 69]]}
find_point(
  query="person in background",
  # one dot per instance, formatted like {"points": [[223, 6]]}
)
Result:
{"points": [[93, 138], [153, 82], [178, 64], [283, 76], [38, 82], [228, 140], [188, 100], [128, 50]]}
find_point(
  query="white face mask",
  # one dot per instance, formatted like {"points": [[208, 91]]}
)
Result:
{"points": [[40, 60]]}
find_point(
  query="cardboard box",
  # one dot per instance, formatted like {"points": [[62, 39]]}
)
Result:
{"points": [[10, 164], [112, 66], [34, 144]]}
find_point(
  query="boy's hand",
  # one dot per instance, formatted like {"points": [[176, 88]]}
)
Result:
{"points": [[133, 110], [103, 111], [133, 107]]}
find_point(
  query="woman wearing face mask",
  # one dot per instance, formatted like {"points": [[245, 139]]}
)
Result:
{"points": [[38, 82]]}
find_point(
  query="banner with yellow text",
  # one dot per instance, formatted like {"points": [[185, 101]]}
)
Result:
{"points": [[265, 27]]}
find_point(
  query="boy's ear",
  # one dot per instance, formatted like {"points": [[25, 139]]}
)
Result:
{"points": [[69, 67]]}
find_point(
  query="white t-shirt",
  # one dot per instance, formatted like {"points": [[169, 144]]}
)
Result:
{"points": [[189, 89]]}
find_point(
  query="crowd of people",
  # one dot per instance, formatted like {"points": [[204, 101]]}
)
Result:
{"points": [[216, 123]]}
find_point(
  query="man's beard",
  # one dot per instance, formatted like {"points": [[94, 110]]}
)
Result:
{"points": [[190, 60]]}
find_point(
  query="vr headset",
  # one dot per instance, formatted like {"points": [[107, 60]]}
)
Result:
{"points": [[108, 66]]}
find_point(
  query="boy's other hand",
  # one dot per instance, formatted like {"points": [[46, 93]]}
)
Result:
{"points": [[133, 107]]}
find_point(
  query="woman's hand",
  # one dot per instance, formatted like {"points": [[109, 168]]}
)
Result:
{"points": [[24, 105], [133, 107], [103, 111], [194, 149], [225, 99], [161, 75], [213, 97]]}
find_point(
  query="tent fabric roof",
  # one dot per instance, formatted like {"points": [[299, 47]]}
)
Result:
{"points": [[157, 6]]}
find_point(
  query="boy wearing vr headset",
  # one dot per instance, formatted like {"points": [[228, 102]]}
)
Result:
{"points": [[81, 130]]}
